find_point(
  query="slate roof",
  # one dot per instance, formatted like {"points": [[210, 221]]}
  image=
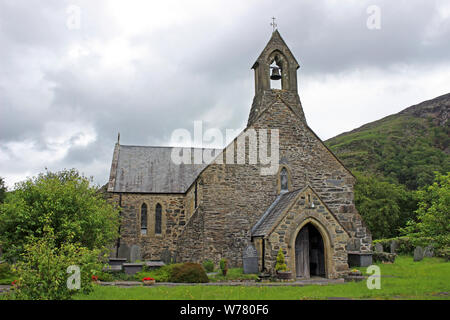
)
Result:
{"points": [[276, 209], [143, 169]]}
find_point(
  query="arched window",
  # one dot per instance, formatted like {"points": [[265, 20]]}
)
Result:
{"points": [[284, 180], [158, 219], [144, 219]]}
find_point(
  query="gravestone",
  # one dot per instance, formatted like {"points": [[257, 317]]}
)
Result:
{"points": [[250, 260], [135, 253], [418, 253], [124, 252], [166, 256], [378, 247], [394, 246], [429, 251]]}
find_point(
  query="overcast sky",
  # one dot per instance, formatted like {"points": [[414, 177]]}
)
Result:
{"points": [[146, 68]]}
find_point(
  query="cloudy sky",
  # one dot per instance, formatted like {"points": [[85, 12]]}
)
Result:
{"points": [[74, 73]]}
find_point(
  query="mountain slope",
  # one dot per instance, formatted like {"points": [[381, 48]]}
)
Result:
{"points": [[405, 147]]}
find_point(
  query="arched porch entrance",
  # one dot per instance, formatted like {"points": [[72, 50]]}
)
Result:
{"points": [[309, 253]]}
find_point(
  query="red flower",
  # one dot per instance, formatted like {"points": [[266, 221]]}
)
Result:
{"points": [[147, 279], [95, 278], [14, 283]]}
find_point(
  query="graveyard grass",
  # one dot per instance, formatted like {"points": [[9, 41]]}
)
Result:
{"points": [[405, 279]]}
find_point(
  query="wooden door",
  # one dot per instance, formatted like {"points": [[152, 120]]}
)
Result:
{"points": [[302, 253]]}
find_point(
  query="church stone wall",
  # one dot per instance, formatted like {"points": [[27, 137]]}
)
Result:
{"points": [[173, 222]]}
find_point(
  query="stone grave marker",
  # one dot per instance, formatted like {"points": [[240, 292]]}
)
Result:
{"points": [[250, 260], [378, 247], [166, 256], [394, 246], [124, 252], [418, 253], [429, 251], [135, 253]]}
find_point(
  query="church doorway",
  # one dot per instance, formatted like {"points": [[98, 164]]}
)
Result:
{"points": [[309, 253]]}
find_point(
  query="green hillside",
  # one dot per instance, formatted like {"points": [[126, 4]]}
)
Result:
{"points": [[404, 148]]}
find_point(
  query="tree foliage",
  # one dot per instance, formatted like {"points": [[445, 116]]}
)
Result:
{"points": [[432, 220], [63, 201], [385, 207], [2, 190]]}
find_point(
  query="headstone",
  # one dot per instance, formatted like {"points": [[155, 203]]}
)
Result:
{"points": [[124, 252], [135, 253], [418, 253], [166, 256], [250, 260], [378, 247], [429, 251], [394, 246]]}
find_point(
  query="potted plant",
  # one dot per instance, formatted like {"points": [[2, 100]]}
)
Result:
{"points": [[224, 266], [148, 281], [281, 268]]}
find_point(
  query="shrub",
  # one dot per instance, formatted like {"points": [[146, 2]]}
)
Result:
{"points": [[189, 273], [280, 265], [42, 271], [163, 274], [208, 265], [105, 276], [224, 266], [6, 274]]}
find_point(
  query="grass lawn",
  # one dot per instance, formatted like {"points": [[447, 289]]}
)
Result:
{"points": [[404, 279]]}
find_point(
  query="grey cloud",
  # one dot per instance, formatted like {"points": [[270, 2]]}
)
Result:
{"points": [[200, 66]]}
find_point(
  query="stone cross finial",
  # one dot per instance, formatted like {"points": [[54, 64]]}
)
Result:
{"points": [[273, 24]]}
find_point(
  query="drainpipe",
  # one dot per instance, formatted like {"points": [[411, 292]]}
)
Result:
{"points": [[263, 255], [120, 215]]}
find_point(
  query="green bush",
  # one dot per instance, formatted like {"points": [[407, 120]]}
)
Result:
{"points": [[105, 276], [42, 271], [5, 270], [189, 273], [208, 265], [6, 274], [281, 264], [163, 274], [224, 266]]}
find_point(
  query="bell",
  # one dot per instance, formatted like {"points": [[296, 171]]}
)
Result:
{"points": [[275, 74]]}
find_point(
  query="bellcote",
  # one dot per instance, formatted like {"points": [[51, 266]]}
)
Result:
{"points": [[276, 53]]}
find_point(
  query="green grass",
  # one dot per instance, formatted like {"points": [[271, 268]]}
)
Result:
{"points": [[409, 280], [232, 274]]}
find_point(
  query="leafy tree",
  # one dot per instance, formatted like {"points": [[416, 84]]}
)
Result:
{"points": [[385, 207], [65, 202], [2, 190], [432, 220]]}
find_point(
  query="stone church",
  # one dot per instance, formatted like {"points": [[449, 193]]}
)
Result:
{"points": [[214, 210]]}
